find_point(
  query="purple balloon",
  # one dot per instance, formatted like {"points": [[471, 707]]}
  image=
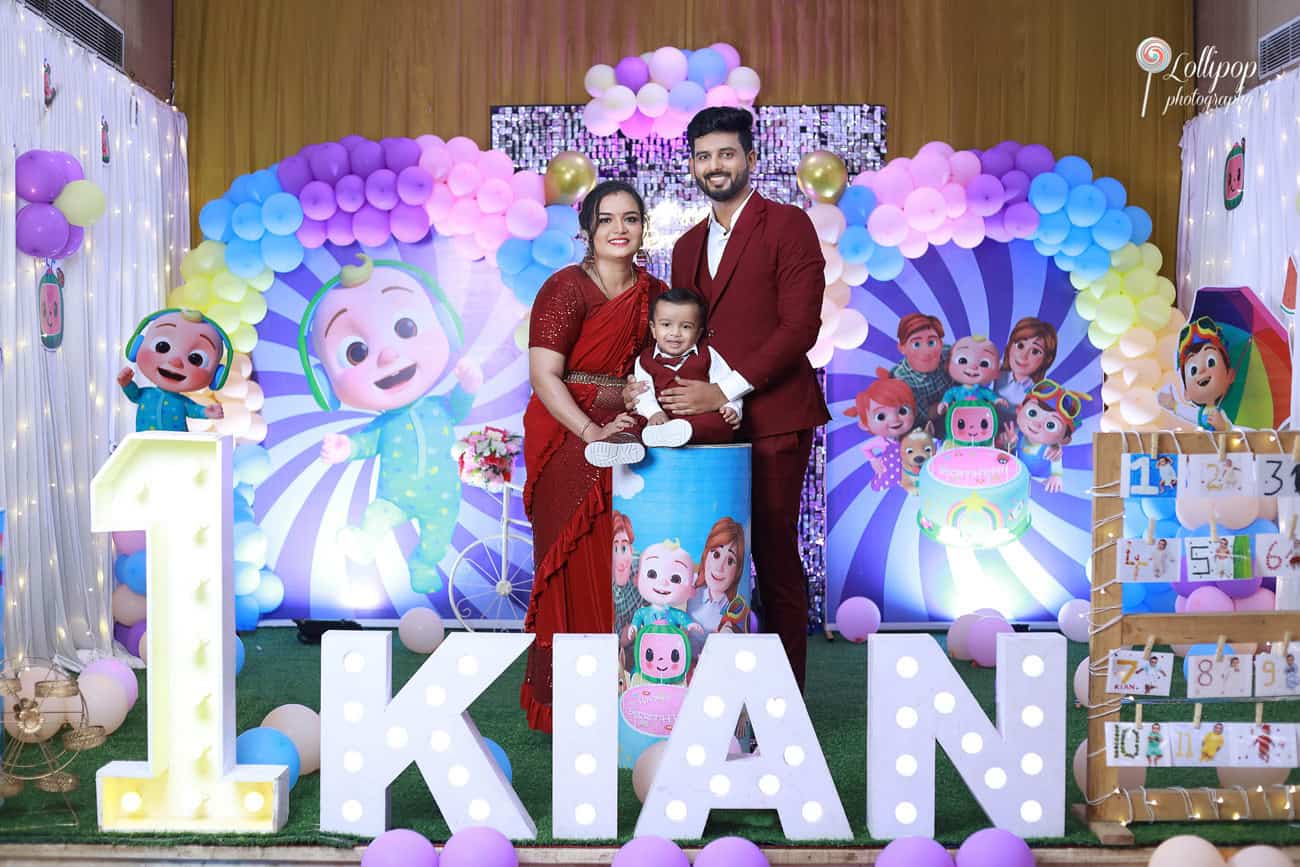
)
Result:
{"points": [[317, 200], [914, 852], [39, 176], [350, 192], [1236, 589], [632, 72], [1034, 159], [351, 141], [995, 228], [1021, 220], [311, 234], [856, 618], [479, 846], [731, 852], [367, 158], [339, 229], [71, 166], [400, 848], [76, 235], [294, 173], [129, 636], [408, 223], [994, 847], [119, 671], [414, 185], [650, 852], [381, 189], [330, 162], [982, 640], [400, 153], [984, 195], [41, 230], [1015, 186], [370, 225], [996, 162]]}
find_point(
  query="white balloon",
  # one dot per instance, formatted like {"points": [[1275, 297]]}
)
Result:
{"points": [[745, 82], [851, 329], [599, 79], [652, 99], [619, 101], [822, 351], [1075, 618]]}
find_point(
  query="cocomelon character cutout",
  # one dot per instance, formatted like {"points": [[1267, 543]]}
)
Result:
{"points": [[887, 410], [51, 307], [923, 368], [663, 655], [971, 422], [1029, 354], [178, 351], [973, 369], [1206, 370], [385, 336], [1045, 422], [915, 449], [1234, 175], [665, 581], [626, 597], [718, 605]]}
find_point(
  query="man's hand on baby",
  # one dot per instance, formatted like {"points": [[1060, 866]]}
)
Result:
{"points": [[692, 397], [634, 389], [730, 416], [335, 448], [469, 374], [214, 411]]}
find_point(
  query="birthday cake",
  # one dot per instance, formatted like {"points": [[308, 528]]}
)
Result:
{"points": [[974, 497]]}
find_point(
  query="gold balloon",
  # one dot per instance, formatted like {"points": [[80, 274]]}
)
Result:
{"points": [[822, 176], [569, 177]]}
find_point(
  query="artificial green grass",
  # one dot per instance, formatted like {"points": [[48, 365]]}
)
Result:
{"points": [[279, 671]]}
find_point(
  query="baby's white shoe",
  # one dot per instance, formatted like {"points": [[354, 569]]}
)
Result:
{"points": [[670, 434]]}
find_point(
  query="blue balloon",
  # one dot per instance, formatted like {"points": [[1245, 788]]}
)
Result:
{"points": [[563, 219], [1141, 224], [1046, 249], [530, 282], [1064, 261], [1076, 241], [132, 571], [686, 96], [1093, 262], [886, 263], [1075, 170], [857, 203], [270, 592], [244, 258], [252, 464], [282, 253], [1160, 597], [241, 190], [1135, 522], [242, 511], [250, 544], [1085, 205], [1257, 527], [1047, 192], [247, 577], [1052, 228], [268, 746], [552, 249], [1116, 197], [856, 244], [245, 492], [239, 654], [247, 221], [1113, 230], [500, 757], [514, 255], [282, 214], [214, 219], [707, 68], [247, 613], [264, 184], [1160, 508], [1202, 650], [1134, 593]]}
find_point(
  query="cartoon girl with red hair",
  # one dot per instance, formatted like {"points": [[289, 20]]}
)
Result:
{"points": [[887, 409]]}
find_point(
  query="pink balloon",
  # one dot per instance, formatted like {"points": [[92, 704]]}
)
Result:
{"points": [[637, 126], [371, 226], [954, 197], [350, 193], [1015, 186], [729, 54], [671, 124], [464, 217], [119, 672], [598, 120], [381, 190], [941, 235], [464, 178], [892, 184], [959, 636], [866, 179], [496, 164], [668, 66], [126, 542], [463, 149], [925, 208], [467, 248], [494, 196], [984, 195], [968, 230], [722, 94], [339, 229], [856, 618], [1021, 220], [436, 160], [528, 185], [439, 204], [526, 219], [1180, 604], [983, 640], [914, 245], [1208, 600], [963, 166], [1262, 599], [1080, 682], [427, 141], [930, 169], [491, 231], [409, 223], [887, 225], [941, 148]]}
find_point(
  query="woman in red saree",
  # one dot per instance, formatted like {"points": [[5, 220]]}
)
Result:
{"points": [[588, 324]]}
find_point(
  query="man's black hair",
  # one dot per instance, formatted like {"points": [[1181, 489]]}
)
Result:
{"points": [[722, 118]]}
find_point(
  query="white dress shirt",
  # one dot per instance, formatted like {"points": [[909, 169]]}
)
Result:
{"points": [[733, 385], [646, 404]]}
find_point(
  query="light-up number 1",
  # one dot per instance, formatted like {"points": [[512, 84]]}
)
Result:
{"points": [[177, 488]]}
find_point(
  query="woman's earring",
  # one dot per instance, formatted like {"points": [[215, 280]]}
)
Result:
{"points": [[590, 258], [641, 258]]}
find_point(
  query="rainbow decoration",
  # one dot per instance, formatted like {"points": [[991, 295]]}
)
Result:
{"points": [[1260, 396]]}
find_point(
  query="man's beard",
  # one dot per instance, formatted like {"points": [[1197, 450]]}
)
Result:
{"points": [[728, 192]]}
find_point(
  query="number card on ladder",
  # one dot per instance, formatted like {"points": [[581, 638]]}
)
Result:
{"points": [[1111, 809]]}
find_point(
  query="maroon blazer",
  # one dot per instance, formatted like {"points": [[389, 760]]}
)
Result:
{"points": [[765, 308]]}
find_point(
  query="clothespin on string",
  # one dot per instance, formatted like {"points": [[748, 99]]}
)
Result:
{"points": [[1196, 716], [1218, 650], [1151, 530], [1146, 650], [1214, 530]]}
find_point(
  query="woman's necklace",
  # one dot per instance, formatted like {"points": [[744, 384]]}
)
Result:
{"points": [[595, 274]]}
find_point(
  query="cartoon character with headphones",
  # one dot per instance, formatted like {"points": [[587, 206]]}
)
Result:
{"points": [[384, 333], [178, 351]]}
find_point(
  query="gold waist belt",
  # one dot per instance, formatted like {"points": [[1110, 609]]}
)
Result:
{"points": [[579, 378]]}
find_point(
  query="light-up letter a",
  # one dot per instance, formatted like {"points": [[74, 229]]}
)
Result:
{"points": [[177, 488]]}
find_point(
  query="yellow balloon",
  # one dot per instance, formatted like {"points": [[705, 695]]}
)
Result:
{"points": [[243, 338], [228, 287], [1152, 311], [1165, 290], [263, 281], [1126, 258], [176, 297], [521, 334], [1139, 282], [1115, 314], [1085, 304], [822, 176], [1100, 337], [1078, 281], [1106, 284], [82, 202], [1151, 257], [252, 308], [210, 256], [194, 293], [569, 176], [191, 265], [224, 314]]}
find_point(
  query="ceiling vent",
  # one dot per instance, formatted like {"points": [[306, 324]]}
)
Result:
{"points": [[1279, 49], [86, 24]]}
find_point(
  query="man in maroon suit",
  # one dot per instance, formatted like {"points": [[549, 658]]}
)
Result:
{"points": [[759, 266]]}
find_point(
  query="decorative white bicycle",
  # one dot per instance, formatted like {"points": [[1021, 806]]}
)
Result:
{"points": [[492, 578]]}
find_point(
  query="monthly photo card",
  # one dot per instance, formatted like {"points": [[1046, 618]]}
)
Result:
{"points": [[1277, 476], [1144, 475], [1139, 559], [1227, 676], [1231, 474], [1200, 745], [1225, 558], [1277, 674], [1132, 673], [1277, 554]]}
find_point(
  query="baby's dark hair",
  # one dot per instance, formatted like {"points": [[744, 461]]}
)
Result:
{"points": [[680, 295]]}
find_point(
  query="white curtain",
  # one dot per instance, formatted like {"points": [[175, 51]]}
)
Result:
{"points": [[1249, 245], [61, 411]]}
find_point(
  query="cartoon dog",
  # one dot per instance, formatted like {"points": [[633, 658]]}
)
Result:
{"points": [[917, 448]]}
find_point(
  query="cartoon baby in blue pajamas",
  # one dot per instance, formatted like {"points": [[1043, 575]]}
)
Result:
{"points": [[178, 351], [384, 334]]}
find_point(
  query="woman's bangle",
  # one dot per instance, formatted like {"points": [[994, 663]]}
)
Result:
{"points": [[582, 434]]}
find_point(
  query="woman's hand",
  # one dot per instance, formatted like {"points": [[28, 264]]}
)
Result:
{"points": [[634, 389], [593, 432]]}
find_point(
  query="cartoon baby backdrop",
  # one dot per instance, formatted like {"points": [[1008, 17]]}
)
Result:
{"points": [[874, 451]]}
